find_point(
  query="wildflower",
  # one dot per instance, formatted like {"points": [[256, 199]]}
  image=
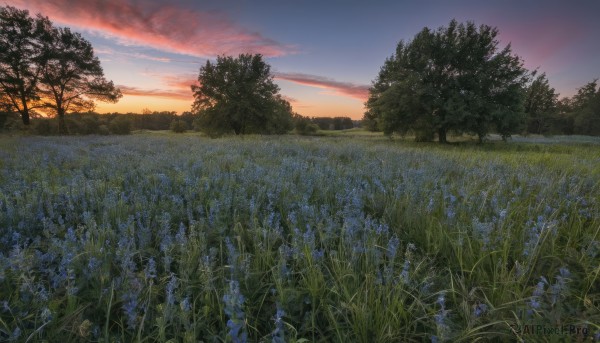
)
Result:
{"points": [[441, 317], [479, 310], [278, 334], [234, 301], [483, 231], [150, 270], [92, 266], [180, 237], [46, 315], [430, 205], [185, 304], [404, 274], [170, 289], [538, 292], [15, 334], [392, 249], [560, 287]]}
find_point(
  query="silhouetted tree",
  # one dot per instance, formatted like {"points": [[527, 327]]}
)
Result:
{"points": [[72, 77], [454, 78], [540, 105], [238, 95], [20, 60]]}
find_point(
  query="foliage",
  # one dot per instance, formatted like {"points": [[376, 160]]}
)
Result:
{"points": [[178, 126], [21, 60], [454, 78], [72, 77], [155, 238], [586, 109], [304, 125], [120, 125], [45, 66], [541, 103], [238, 95], [333, 123]]}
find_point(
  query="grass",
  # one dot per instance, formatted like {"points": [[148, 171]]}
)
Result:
{"points": [[348, 237]]}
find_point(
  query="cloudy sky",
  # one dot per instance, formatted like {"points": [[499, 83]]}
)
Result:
{"points": [[324, 54]]}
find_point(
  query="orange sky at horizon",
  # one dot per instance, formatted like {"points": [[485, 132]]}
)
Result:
{"points": [[323, 101]]}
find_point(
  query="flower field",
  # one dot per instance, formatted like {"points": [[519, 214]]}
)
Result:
{"points": [[154, 238]]}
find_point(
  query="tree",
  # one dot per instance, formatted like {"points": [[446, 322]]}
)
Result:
{"points": [[72, 77], [454, 78], [586, 109], [541, 103], [20, 60], [238, 95]]}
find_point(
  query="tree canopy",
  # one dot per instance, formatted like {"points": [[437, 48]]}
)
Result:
{"points": [[453, 78], [585, 106], [72, 77], [20, 60], [42, 66], [541, 103], [238, 95]]}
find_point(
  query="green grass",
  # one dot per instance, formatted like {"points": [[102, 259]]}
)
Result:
{"points": [[354, 236]]}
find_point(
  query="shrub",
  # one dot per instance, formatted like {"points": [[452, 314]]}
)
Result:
{"points": [[120, 126], [44, 126], [178, 126], [304, 126], [103, 130]]}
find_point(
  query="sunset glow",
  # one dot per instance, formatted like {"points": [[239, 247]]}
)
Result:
{"points": [[323, 56]]}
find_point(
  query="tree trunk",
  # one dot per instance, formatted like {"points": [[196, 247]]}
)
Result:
{"points": [[24, 112], [25, 117], [442, 135], [62, 125]]}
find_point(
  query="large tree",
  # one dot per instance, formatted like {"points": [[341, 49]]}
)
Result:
{"points": [[541, 103], [452, 78], [238, 95], [72, 77], [21, 60]]}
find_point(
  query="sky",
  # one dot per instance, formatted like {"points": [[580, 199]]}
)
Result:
{"points": [[323, 54]]}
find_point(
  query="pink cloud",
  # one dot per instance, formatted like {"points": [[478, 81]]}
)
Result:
{"points": [[178, 94], [180, 82], [176, 87], [543, 41], [360, 92], [164, 27]]}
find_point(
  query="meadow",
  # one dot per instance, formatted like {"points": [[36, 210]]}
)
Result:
{"points": [[182, 238]]}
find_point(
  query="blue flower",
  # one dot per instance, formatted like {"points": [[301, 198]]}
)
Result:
{"points": [[278, 335], [170, 289], [234, 301], [150, 270], [480, 309]]}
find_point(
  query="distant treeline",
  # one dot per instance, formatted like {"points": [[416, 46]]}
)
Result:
{"points": [[103, 124], [307, 125], [124, 123]]}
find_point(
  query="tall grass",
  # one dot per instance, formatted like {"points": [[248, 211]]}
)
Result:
{"points": [[284, 239]]}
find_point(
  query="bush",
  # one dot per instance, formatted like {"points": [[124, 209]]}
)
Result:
{"points": [[197, 125], [120, 126], [304, 126], [103, 130], [178, 126], [89, 125], [44, 126]]}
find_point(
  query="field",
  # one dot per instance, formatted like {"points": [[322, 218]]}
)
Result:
{"points": [[292, 239]]}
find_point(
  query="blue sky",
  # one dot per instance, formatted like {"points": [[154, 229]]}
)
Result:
{"points": [[324, 54]]}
